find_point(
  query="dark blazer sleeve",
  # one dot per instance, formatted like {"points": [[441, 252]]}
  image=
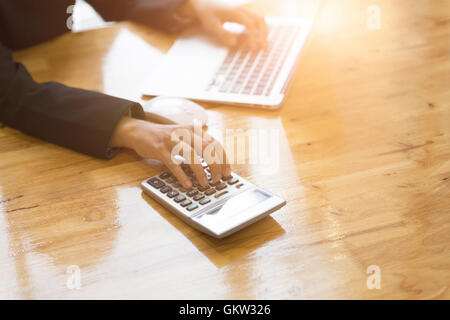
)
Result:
{"points": [[154, 13], [79, 119]]}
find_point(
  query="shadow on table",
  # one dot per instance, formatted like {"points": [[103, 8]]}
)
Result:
{"points": [[221, 252]]}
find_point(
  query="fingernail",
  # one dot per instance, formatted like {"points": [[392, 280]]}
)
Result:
{"points": [[187, 184]]}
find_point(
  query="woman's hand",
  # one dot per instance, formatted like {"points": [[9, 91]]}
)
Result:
{"points": [[212, 15], [162, 142]]}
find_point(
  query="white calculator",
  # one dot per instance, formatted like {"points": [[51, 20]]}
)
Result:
{"points": [[218, 209]]}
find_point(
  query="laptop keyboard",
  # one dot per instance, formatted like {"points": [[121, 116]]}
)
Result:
{"points": [[255, 73]]}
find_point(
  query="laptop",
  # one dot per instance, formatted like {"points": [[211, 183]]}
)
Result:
{"points": [[197, 67]]}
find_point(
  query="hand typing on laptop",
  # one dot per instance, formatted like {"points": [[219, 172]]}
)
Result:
{"points": [[213, 14]]}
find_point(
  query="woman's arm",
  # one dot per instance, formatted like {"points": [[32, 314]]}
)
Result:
{"points": [[154, 13], [79, 119]]}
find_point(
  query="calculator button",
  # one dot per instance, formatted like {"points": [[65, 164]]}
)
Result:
{"points": [[210, 192], [180, 198], [221, 194], [192, 193], [233, 181], [186, 203], [173, 193], [165, 175], [221, 186], [171, 180], [203, 188], [198, 197], [156, 183], [176, 185], [205, 201], [166, 189], [182, 190], [239, 185], [213, 184], [192, 207], [227, 178]]}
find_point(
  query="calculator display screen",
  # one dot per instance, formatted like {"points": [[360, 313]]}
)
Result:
{"points": [[239, 203]]}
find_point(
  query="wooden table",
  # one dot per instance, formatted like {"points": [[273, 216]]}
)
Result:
{"points": [[364, 167]]}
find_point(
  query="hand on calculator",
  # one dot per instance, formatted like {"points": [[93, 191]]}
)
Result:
{"points": [[151, 140]]}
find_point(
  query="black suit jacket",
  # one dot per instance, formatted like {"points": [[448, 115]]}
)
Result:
{"points": [[79, 119]]}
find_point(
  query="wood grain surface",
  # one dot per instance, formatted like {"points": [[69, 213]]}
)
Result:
{"points": [[364, 164]]}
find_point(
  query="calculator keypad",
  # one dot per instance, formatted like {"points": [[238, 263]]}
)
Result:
{"points": [[198, 196]]}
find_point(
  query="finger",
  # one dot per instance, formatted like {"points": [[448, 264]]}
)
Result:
{"points": [[244, 18], [177, 171], [191, 148], [262, 28], [195, 165], [218, 162], [200, 141], [215, 27]]}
